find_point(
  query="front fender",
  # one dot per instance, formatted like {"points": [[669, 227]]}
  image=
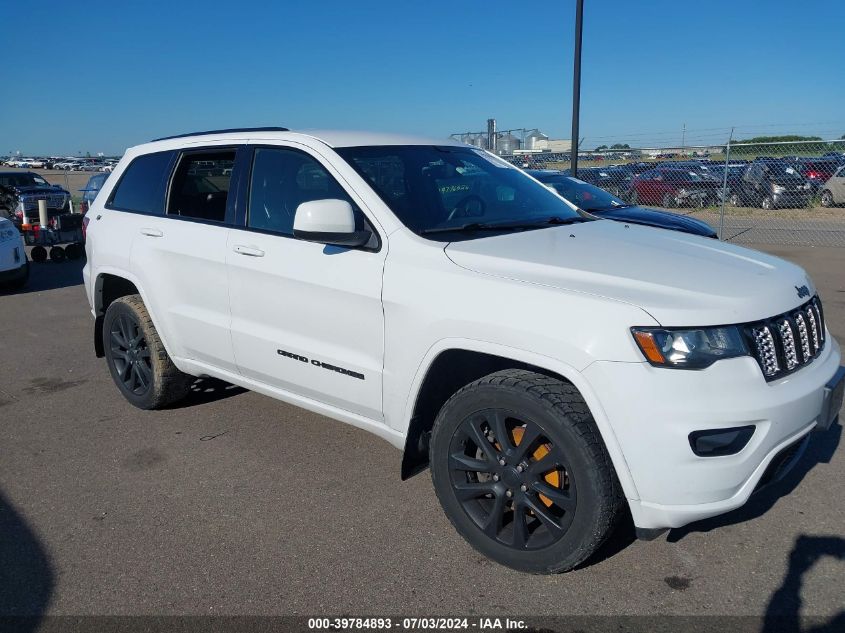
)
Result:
{"points": [[552, 365]]}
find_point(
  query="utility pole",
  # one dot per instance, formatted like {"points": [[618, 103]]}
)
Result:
{"points": [[683, 138], [576, 84]]}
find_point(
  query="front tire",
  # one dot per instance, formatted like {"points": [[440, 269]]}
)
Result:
{"points": [[767, 203], [522, 473], [137, 360]]}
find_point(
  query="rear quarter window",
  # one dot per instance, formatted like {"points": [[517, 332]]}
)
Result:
{"points": [[142, 186]]}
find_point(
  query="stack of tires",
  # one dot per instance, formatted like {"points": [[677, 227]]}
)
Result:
{"points": [[58, 253]]}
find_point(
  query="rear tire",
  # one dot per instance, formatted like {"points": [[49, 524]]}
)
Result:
{"points": [[556, 498], [827, 199], [137, 360]]}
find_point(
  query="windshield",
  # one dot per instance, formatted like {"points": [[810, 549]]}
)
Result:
{"points": [[583, 194], [682, 176], [439, 187], [780, 169], [22, 180]]}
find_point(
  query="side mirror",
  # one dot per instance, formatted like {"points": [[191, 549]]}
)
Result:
{"points": [[328, 222]]}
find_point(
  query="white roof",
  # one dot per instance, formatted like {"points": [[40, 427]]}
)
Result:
{"points": [[353, 138], [333, 138]]}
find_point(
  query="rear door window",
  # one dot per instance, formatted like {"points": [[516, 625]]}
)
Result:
{"points": [[141, 187], [200, 186]]}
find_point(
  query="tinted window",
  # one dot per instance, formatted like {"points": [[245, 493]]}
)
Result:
{"points": [[200, 187], [441, 187], [282, 179], [141, 188], [95, 183], [22, 180]]}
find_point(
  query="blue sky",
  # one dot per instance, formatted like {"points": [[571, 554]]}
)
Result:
{"points": [[115, 74]]}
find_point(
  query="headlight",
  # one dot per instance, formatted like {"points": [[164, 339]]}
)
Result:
{"points": [[682, 193], [777, 189], [691, 348]]}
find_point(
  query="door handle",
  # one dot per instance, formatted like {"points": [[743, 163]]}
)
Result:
{"points": [[249, 251], [152, 232]]}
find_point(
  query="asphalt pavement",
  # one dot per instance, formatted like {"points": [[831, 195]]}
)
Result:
{"points": [[234, 503]]}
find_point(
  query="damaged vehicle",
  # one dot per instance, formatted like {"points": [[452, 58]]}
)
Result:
{"points": [[20, 192]]}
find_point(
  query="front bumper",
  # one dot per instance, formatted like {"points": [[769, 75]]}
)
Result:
{"points": [[791, 199], [14, 274], [12, 260], [653, 410]]}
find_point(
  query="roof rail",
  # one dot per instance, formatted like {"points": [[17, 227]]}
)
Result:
{"points": [[233, 129]]}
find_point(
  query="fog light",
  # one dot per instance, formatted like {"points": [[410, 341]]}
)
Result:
{"points": [[719, 442]]}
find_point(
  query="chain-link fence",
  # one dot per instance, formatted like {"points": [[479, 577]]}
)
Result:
{"points": [[759, 193]]}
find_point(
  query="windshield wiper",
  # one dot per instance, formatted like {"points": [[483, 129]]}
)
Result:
{"points": [[505, 226], [611, 207]]}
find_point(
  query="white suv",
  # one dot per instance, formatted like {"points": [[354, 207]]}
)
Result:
{"points": [[548, 366]]}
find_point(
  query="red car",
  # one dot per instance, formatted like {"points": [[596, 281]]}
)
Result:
{"points": [[667, 187], [817, 171]]}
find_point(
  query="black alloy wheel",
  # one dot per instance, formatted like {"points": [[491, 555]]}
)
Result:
{"points": [[130, 355], [511, 479], [522, 473], [137, 360]]}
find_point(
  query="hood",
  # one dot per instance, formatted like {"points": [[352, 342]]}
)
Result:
{"points": [[680, 279], [659, 219]]}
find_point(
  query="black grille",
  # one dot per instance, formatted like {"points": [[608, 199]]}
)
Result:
{"points": [[787, 342]]}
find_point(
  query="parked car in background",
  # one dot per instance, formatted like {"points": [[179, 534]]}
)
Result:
{"points": [[606, 206], [21, 191], [31, 163], [817, 171], [833, 191], [616, 180], [92, 187], [769, 184], [700, 167], [670, 187], [14, 267], [734, 175], [839, 157], [64, 165]]}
